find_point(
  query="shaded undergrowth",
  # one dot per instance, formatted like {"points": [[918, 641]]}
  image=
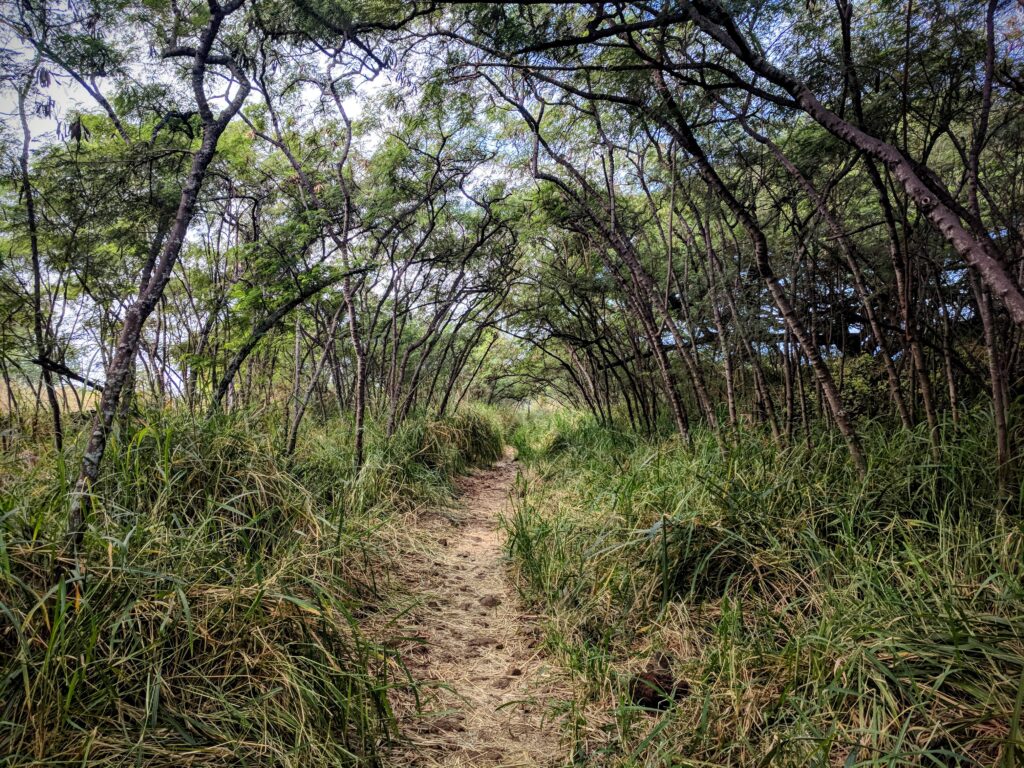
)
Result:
{"points": [[808, 617], [216, 618]]}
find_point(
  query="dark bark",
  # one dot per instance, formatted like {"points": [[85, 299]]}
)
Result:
{"points": [[924, 189], [127, 345], [40, 323]]}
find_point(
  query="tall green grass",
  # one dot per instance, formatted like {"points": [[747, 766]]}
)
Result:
{"points": [[218, 615], [815, 618]]}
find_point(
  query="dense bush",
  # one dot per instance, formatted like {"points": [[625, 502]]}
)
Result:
{"points": [[813, 618], [216, 617]]}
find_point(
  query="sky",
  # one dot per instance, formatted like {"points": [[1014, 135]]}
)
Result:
{"points": [[50, 106]]}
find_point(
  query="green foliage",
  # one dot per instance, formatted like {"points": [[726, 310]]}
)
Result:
{"points": [[217, 616], [816, 619]]}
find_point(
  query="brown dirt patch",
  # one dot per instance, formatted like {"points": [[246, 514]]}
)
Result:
{"points": [[488, 695]]}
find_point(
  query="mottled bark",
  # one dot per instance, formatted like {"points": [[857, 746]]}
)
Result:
{"points": [[925, 190], [126, 349]]}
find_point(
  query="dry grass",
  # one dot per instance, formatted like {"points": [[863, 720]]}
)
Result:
{"points": [[486, 693], [813, 619], [73, 400], [220, 614]]}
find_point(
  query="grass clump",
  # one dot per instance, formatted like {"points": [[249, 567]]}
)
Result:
{"points": [[813, 618], [217, 618]]}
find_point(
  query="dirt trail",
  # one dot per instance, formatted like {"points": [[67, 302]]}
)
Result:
{"points": [[487, 691]]}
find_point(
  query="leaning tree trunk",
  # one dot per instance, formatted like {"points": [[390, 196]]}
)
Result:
{"points": [[923, 188], [641, 309], [40, 327], [359, 382], [852, 263], [261, 329], [303, 402], [131, 332], [119, 372], [681, 131], [997, 382]]}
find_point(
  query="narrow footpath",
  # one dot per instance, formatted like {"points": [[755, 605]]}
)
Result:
{"points": [[489, 696]]}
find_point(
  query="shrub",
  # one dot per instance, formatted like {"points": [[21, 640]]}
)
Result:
{"points": [[215, 619], [817, 619]]}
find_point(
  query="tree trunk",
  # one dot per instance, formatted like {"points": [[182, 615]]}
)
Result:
{"points": [[303, 402], [928, 194], [40, 325], [128, 341], [682, 133]]}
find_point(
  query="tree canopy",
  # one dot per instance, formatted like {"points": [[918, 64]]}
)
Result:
{"points": [[699, 213]]}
